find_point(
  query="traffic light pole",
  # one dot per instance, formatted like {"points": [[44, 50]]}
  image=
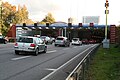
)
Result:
{"points": [[106, 23], [106, 41]]}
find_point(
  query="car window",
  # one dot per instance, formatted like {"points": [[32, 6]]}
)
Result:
{"points": [[75, 39], [37, 40], [43, 37], [59, 38], [1, 36], [25, 40], [41, 41]]}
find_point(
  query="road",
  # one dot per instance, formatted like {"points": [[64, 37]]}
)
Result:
{"points": [[43, 66]]}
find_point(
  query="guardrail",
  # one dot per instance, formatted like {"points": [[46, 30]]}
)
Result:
{"points": [[79, 72]]}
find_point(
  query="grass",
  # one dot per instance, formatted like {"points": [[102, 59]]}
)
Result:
{"points": [[105, 64]]}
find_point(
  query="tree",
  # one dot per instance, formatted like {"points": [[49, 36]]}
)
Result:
{"points": [[11, 15], [8, 16], [29, 21], [21, 15], [48, 18]]}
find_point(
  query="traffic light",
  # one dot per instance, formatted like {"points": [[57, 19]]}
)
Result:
{"points": [[91, 25], [24, 24], [69, 24], [47, 24], [35, 24], [106, 4], [80, 25]]}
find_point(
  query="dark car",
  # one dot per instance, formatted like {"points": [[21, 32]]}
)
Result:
{"points": [[92, 41], [2, 39], [85, 41]]}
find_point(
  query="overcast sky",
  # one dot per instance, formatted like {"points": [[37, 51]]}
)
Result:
{"points": [[63, 9]]}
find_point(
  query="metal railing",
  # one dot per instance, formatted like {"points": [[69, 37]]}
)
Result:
{"points": [[79, 73]]}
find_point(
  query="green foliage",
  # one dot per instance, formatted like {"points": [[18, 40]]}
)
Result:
{"points": [[21, 15], [48, 18], [12, 16], [105, 65]]}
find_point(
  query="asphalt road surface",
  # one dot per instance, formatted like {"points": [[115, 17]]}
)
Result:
{"points": [[56, 64]]}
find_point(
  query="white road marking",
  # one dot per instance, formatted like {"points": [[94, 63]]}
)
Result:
{"points": [[18, 58], [50, 69], [51, 51], [66, 48], [46, 77], [75, 47], [7, 49]]}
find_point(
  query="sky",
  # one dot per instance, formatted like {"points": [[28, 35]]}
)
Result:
{"points": [[63, 9]]}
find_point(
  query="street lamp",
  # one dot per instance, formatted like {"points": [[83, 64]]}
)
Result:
{"points": [[0, 16]]}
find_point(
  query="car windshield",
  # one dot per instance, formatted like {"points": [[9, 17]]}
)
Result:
{"points": [[75, 39], [59, 38], [43, 37], [25, 40], [1, 36], [84, 40]]}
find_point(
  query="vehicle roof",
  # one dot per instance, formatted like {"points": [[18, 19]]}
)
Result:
{"points": [[75, 38], [28, 36], [62, 37], [43, 36]]}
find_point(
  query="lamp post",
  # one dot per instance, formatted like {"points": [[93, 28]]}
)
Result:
{"points": [[0, 16]]}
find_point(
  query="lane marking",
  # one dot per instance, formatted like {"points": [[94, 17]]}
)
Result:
{"points": [[75, 47], [18, 58], [51, 51], [50, 69], [66, 48], [6, 48], [46, 77]]}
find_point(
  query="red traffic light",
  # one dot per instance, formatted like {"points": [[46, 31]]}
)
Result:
{"points": [[35, 24], [70, 24], [106, 4], [106, 1], [91, 24], [47, 24], [80, 24], [24, 24]]}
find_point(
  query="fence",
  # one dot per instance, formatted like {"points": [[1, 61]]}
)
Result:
{"points": [[79, 73]]}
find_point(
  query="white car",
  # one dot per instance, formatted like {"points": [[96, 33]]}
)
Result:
{"points": [[30, 44], [62, 41], [76, 41], [46, 39]]}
